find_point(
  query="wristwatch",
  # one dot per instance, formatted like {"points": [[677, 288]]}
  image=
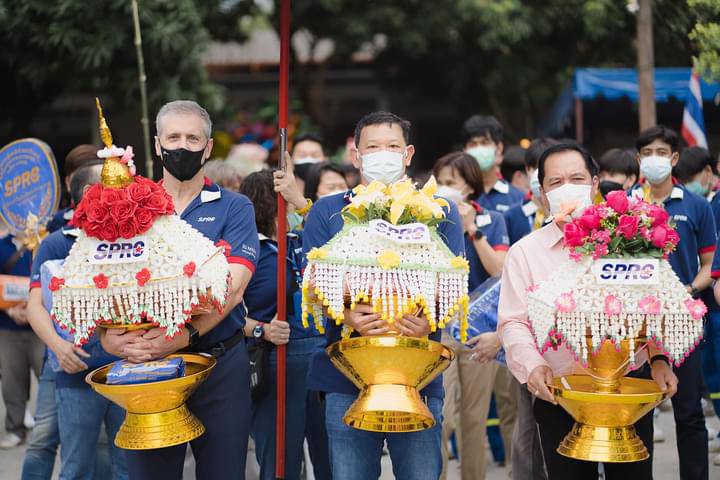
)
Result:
{"points": [[694, 292], [478, 235], [194, 335], [258, 331], [659, 357]]}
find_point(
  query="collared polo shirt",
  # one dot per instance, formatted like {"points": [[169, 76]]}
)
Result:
{"points": [[492, 224], [694, 224], [501, 198], [20, 268], [322, 223]]}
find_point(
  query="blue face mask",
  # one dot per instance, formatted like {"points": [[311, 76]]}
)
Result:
{"points": [[485, 156], [697, 188]]}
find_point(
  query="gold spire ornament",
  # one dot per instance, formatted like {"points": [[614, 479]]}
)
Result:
{"points": [[115, 174]]}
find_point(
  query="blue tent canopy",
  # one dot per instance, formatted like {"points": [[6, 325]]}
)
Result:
{"points": [[616, 83]]}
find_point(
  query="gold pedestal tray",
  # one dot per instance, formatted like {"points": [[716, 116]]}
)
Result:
{"points": [[156, 413], [604, 430], [389, 370]]}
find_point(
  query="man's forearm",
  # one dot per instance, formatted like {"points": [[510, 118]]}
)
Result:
{"points": [[42, 324]]}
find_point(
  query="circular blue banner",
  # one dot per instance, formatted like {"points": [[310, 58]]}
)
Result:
{"points": [[30, 183]]}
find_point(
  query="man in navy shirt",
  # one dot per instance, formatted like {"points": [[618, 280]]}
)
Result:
{"points": [[382, 152], [222, 402], [657, 154], [482, 138]]}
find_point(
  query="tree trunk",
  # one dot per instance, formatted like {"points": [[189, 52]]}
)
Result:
{"points": [[645, 65]]}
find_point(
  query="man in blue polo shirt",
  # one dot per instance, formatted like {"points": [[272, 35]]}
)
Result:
{"points": [[222, 402], [482, 137], [382, 152], [657, 154]]}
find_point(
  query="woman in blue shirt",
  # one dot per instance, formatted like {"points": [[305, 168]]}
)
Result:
{"points": [[304, 414]]}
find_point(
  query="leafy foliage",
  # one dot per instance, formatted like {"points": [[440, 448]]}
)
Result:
{"points": [[706, 34]]}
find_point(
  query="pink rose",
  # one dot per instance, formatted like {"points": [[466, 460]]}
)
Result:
{"points": [[628, 226], [618, 201], [659, 235], [574, 235], [672, 236], [590, 218], [657, 214]]}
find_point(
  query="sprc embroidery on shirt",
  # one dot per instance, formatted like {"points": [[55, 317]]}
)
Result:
{"points": [[206, 219], [680, 218], [249, 250]]}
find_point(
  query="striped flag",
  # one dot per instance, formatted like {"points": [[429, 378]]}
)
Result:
{"points": [[693, 125]]}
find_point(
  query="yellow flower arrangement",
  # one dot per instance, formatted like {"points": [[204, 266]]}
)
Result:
{"points": [[388, 259], [317, 254], [460, 262]]}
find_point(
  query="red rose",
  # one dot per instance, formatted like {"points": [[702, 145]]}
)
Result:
{"points": [[79, 216], [657, 214], [144, 219], [112, 195], [108, 231], [100, 280], [94, 230], [56, 283], [672, 236], [628, 226], [574, 235], [138, 191], [128, 228], [618, 201], [93, 193], [97, 213], [590, 218], [122, 210], [142, 276], [659, 235], [170, 207], [189, 269], [156, 203]]}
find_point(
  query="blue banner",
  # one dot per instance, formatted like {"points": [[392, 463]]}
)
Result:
{"points": [[30, 183]]}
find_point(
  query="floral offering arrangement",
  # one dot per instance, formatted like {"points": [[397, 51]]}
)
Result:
{"points": [[617, 285], [131, 263], [389, 255]]}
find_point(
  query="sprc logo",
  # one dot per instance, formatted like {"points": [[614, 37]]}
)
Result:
{"points": [[641, 271], [134, 250], [410, 233]]}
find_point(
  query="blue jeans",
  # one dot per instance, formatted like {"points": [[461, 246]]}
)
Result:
{"points": [[81, 413], [711, 357], [45, 438], [304, 416], [355, 454]]}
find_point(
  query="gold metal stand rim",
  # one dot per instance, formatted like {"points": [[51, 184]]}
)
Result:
{"points": [[145, 431], [603, 444]]}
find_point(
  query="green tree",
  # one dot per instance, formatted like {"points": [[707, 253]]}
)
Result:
{"points": [[706, 35], [54, 48]]}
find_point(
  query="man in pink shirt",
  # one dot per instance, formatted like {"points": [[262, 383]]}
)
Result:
{"points": [[567, 175]]}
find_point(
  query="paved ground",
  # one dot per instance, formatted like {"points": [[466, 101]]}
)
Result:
{"points": [[665, 466]]}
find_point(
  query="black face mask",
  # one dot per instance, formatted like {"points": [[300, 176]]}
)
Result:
{"points": [[607, 186], [181, 163]]}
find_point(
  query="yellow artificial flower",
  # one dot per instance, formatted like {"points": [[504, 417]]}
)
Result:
{"points": [[396, 211], [460, 263], [430, 187], [388, 259], [317, 254]]}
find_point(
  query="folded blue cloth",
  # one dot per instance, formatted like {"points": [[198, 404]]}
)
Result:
{"points": [[126, 373], [482, 313]]}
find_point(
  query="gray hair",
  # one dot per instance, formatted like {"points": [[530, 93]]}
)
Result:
{"points": [[184, 107], [222, 172]]}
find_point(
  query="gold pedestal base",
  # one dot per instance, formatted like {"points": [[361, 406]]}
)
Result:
{"points": [[603, 444], [142, 431], [389, 408], [156, 413], [604, 430]]}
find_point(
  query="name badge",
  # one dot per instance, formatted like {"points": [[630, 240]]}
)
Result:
{"points": [[15, 292], [620, 271], [483, 220], [121, 251], [407, 234], [529, 208]]}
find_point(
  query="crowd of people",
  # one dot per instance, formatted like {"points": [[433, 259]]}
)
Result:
{"points": [[502, 216]]}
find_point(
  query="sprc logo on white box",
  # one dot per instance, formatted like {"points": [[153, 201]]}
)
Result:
{"points": [[631, 271], [128, 251], [410, 233]]}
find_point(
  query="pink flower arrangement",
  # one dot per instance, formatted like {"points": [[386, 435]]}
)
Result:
{"points": [[565, 302], [696, 308], [613, 305], [650, 305], [621, 227]]}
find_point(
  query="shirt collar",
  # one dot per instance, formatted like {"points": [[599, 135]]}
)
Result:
{"points": [[502, 187], [209, 193], [71, 232], [553, 234]]}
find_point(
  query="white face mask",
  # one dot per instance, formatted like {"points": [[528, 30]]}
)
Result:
{"points": [[450, 193], [655, 169], [570, 193], [384, 166], [535, 184], [334, 192]]}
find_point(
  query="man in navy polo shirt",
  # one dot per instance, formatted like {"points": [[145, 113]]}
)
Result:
{"points": [[222, 402], [382, 152], [482, 138], [657, 154]]}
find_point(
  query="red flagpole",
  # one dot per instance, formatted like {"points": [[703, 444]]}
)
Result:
{"points": [[281, 237]]}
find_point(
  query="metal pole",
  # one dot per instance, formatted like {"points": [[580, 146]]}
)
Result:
{"points": [[281, 237], [142, 79]]}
